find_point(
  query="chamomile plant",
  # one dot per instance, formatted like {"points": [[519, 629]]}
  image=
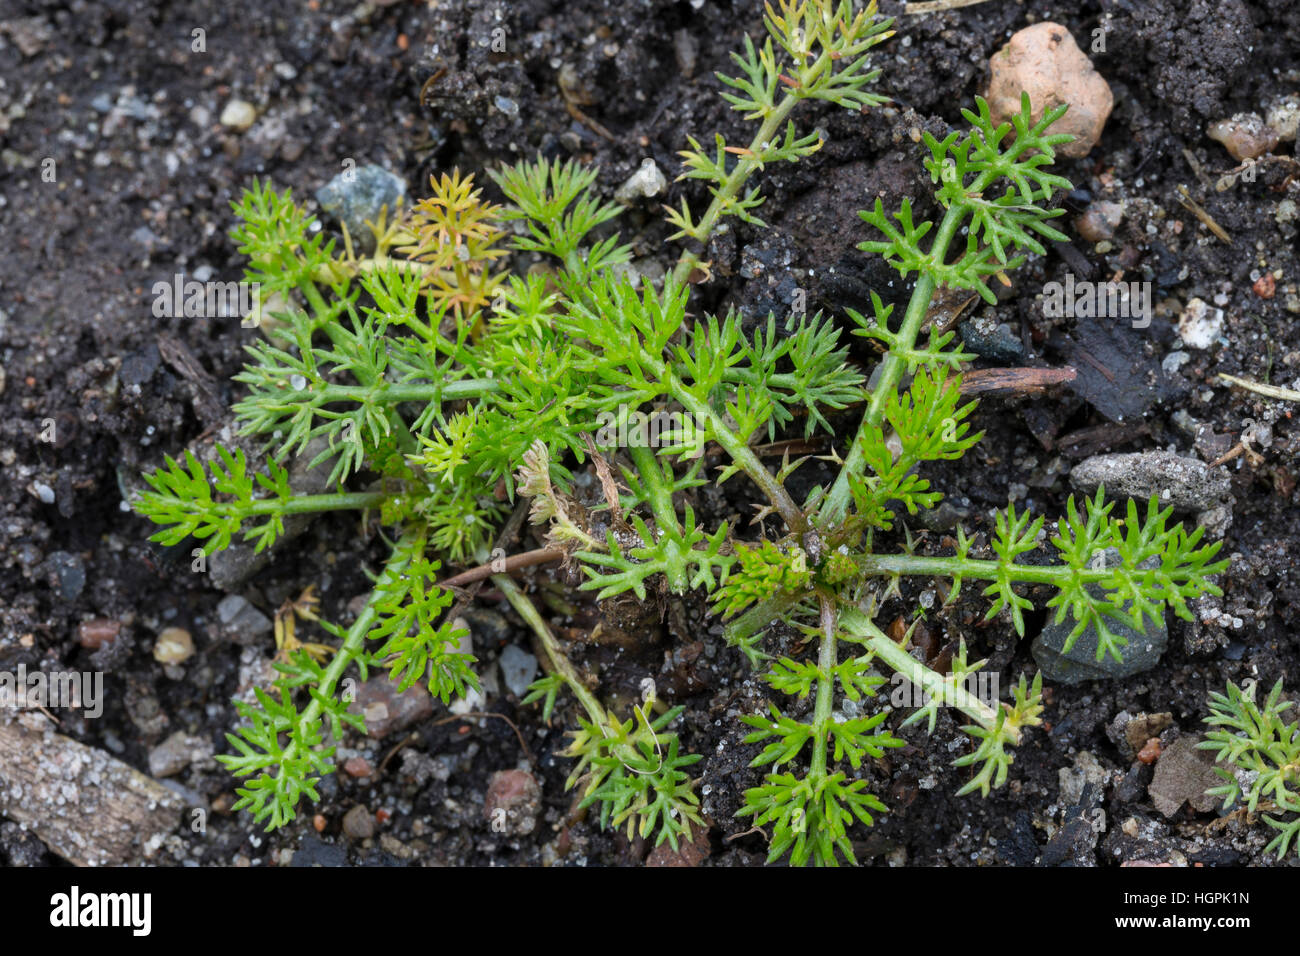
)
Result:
{"points": [[439, 390]]}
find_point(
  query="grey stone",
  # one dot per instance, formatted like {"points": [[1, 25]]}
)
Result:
{"points": [[67, 573], [518, 669], [489, 627], [313, 851], [1072, 780], [177, 752], [386, 711], [1080, 663], [1074, 844], [992, 340], [358, 824], [1186, 483], [240, 622], [356, 196], [647, 182]]}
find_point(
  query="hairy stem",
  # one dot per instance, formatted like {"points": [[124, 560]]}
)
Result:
{"points": [[336, 335], [892, 367], [298, 505], [388, 394], [758, 617], [661, 503], [836, 503]]}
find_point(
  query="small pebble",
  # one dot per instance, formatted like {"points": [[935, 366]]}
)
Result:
{"points": [[358, 824], [173, 646], [518, 669], [94, 634], [1099, 221], [177, 752], [513, 802], [645, 183], [1284, 116], [1044, 61], [238, 115], [1150, 752], [1245, 135], [687, 52], [1265, 286], [1199, 325]]}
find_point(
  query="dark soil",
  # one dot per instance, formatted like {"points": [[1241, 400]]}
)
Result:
{"points": [[112, 93]]}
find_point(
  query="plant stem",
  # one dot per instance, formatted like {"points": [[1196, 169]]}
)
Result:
{"points": [[367, 378], [528, 611], [836, 503], [892, 367], [758, 617], [466, 388], [304, 504], [740, 453], [354, 640], [934, 684], [661, 503], [894, 564], [745, 167], [826, 661]]}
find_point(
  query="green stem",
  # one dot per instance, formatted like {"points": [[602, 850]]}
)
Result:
{"points": [[367, 378], [354, 640], [758, 617], [528, 611], [826, 661], [891, 370], [1058, 574], [731, 186], [467, 388], [739, 451], [935, 685], [660, 498], [835, 505], [304, 504]]}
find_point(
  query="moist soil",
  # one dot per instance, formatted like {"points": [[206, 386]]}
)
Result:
{"points": [[114, 94]]}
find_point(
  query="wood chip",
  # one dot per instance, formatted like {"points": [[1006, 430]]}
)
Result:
{"points": [[85, 805], [1014, 381]]}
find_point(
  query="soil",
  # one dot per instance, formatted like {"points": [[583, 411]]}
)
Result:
{"points": [[112, 92]]}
